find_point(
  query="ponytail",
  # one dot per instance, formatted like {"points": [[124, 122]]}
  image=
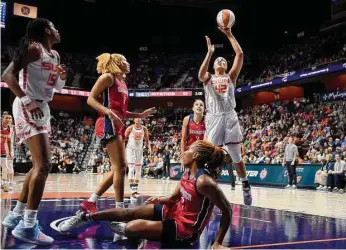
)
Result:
{"points": [[210, 157]]}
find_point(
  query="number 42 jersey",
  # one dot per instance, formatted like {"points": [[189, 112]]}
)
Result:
{"points": [[219, 94]]}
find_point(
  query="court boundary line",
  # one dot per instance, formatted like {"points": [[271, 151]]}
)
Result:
{"points": [[288, 243]]}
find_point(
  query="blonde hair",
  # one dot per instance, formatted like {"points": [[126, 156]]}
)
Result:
{"points": [[109, 63]]}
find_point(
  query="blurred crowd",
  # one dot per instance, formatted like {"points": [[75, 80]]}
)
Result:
{"points": [[162, 70], [318, 129], [70, 138]]}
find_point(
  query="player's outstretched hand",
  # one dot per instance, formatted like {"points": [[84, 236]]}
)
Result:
{"points": [[152, 200], [218, 246], [226, 31], [211, 47], [148, 112]]}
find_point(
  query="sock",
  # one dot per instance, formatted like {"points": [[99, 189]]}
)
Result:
{"points": [[243, 179], [19, 209], [119, 204], [94, 198], [30, 217], [132, 188]]}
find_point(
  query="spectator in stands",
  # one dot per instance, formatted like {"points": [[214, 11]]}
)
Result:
{"points": [[322, 174], [336, 177], [290, 159]]}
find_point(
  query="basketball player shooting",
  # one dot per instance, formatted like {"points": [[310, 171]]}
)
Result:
{"points": [[136, 134], [222, 125]]}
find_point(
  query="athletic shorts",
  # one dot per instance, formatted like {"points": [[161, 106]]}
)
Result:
{"points": [[224, 128], [134, 156], [174, 234], [107, 131], [26, 126]]}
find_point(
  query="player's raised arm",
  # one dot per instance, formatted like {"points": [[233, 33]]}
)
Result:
{"points": [[203, 74], [207, 187], [239, 55]]}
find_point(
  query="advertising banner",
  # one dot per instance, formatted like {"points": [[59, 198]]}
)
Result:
{"points": [[333, 96], [263, 174], [294, 77]]}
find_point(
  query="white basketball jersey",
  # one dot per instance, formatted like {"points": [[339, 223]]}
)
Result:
{"points": [[136, 138], [219, 94], [37, 80]]}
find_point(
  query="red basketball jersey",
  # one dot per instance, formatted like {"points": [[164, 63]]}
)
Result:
{"points": [[5, 134], [116, 98], [192, 213], [195, 131]]}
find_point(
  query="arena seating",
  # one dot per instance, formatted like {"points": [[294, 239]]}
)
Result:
{"points": [[159, 71], [70, 139]]}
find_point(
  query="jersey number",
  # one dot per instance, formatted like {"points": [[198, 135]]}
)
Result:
{"points": [[222, 88], [51, 79]]}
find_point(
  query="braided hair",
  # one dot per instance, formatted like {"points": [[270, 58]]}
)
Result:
{"points": [[210, 157], [35, 32]]}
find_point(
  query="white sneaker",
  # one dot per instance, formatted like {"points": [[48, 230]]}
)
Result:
{"points": [[73, 222], [288, 186], [324, 188], [294, 186], [163, 178], [167, 178], [319, 187], [335, 189]]}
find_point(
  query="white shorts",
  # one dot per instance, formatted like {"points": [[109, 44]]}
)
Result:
{"points": [[223, 128], [27, 127], [134, 156]]}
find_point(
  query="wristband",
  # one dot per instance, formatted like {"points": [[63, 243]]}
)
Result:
{"points": [[25, 100]]}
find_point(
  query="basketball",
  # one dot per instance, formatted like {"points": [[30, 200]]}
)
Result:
{"points": [[225, 19]]}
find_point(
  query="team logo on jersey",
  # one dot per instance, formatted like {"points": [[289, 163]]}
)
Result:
{"points": [[220, 84], [137, 135]]}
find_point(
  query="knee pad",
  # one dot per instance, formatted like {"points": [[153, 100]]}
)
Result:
{"points": [[234, 151], [10, 167], [131, 174], [138, 172]]}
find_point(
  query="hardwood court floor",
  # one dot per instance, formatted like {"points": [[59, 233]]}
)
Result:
{"points": [[302, 201]]}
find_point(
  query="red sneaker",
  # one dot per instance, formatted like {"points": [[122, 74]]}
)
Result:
{"points": [[88, 207]]}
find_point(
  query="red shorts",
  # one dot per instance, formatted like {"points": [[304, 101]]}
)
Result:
{"points": [[107, 131], [173, 228]]}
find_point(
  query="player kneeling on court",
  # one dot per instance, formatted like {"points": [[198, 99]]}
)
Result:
{"points": [[178, 219]]}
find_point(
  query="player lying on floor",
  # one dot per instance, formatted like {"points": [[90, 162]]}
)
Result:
{"points": [[178, 219]]}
